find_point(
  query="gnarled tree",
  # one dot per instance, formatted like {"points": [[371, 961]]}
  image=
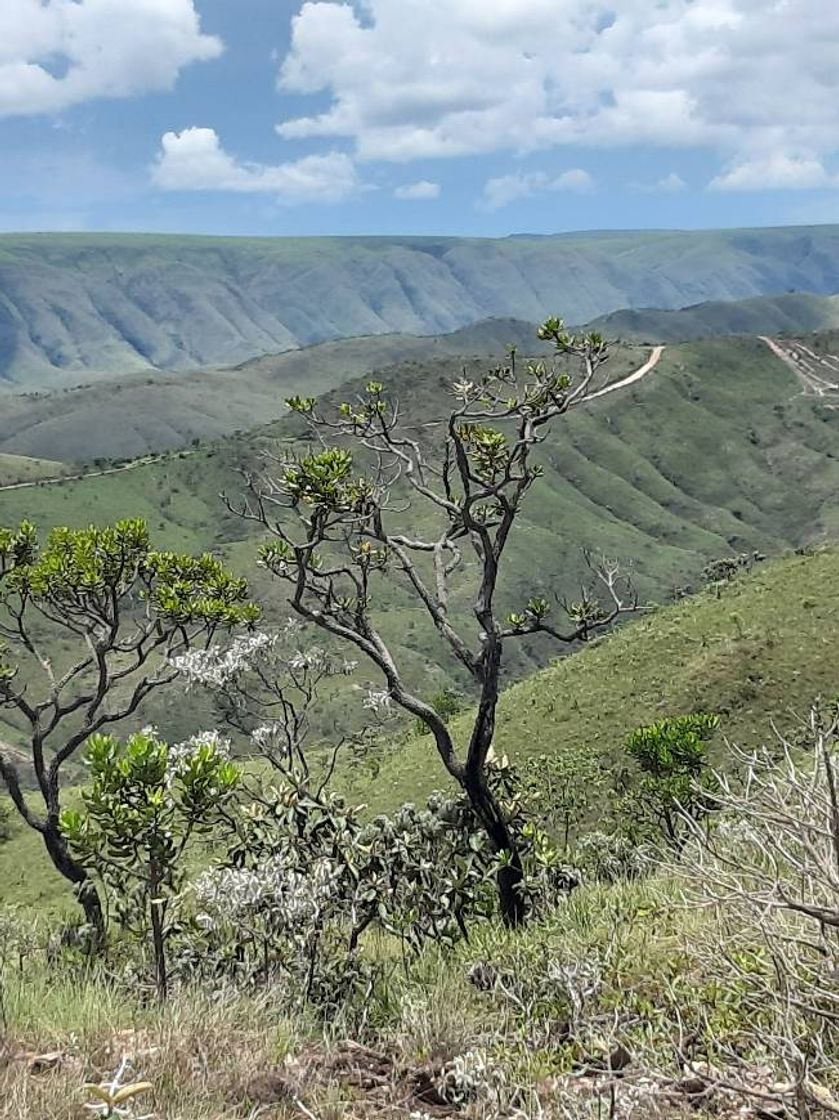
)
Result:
{"points": [[340, 517], [89, 624]]}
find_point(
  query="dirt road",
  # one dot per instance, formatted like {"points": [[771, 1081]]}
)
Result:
{"points": [[818, 373], [132, 466], [631, 378]]}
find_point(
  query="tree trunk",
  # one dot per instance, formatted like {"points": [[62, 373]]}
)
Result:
{"points": [[510, 876], [83, 887], [158, 938]]}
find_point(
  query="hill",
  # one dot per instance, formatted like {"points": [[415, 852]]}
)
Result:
{"points": [[141, 413], [20, 468], [760, 649], [714, 452], [128, 417], [76, 304], [792, 313]]}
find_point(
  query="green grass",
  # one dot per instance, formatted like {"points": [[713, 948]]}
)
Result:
{"points": [[761, 650], [205, 1052]]}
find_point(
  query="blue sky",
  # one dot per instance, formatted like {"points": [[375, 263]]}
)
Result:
{"points": [[480, 117]]}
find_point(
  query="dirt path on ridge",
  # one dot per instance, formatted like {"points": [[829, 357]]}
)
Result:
{"points": [[630, 379]]}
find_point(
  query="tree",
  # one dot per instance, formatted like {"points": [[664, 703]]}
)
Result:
{"points": [[339, 523], [91, 621], [673, 757], [267, 684], [145, 802]]}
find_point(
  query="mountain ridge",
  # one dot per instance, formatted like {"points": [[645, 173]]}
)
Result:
{"points": [[76, 305]]}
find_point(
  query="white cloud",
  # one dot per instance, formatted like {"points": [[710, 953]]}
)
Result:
{"points": [[412, 79], [508, 188], [64, 52], [671, 184], [194, 160], [777, 171], [417, 192], [574, 180]]}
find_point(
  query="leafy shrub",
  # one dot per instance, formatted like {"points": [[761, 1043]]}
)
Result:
{"points": [[561, 789], [447, 703], [724, 569], [146, 801], [305, 879], [672, 755]]}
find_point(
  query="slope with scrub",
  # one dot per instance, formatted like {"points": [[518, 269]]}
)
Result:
{"points": [[757, 650], [714, 451]]}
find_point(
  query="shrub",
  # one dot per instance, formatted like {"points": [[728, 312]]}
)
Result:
{"points": [[672, 755], [145, 803]]}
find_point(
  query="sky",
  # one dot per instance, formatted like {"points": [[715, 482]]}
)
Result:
{"points": [[472, 117]]}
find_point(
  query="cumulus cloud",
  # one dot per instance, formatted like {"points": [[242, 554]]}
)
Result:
{"points": [[64, 52], [671, 184], [777, 171], [194, 160], [417, 192], [508, 188], [414, 79]]}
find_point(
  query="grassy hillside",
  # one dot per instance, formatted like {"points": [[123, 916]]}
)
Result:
{"points": [[130, 416], [714, 452], [113, 304], [792, 313], [762, 648], [22, 468]]}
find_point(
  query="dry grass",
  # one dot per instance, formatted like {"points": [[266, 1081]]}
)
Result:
{"points": [[580, 1022], [202, 1055]]}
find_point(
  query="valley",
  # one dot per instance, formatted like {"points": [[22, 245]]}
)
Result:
{"points": [[419, 560], [710, 445], [702, 449]]}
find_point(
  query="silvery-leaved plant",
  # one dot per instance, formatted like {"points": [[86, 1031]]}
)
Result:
{"points": [[471, 1076], [215, 666], [266, 686]]}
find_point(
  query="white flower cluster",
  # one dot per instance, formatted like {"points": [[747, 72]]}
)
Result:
{"points": [[312, 658], [266, 737], [377, 700], [463, 390], [317, 660], [217, 666], [293, 900], [181, 753]]}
